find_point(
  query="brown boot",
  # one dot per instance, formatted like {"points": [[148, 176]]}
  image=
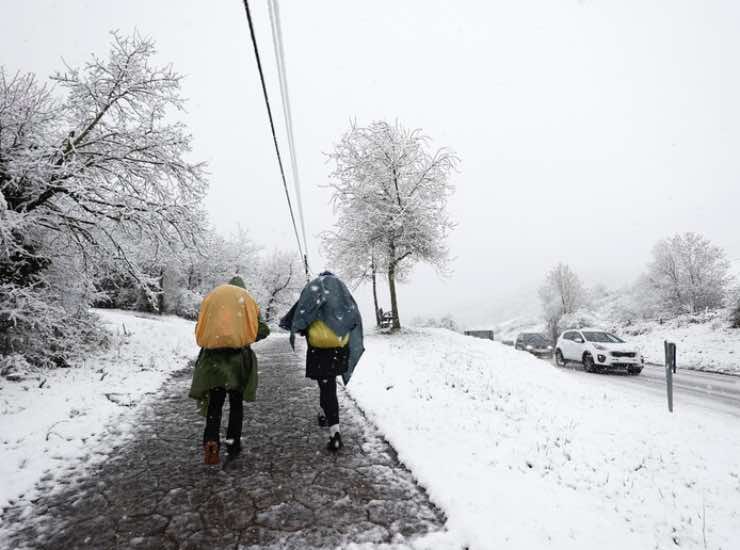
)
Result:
{"points": [[211, 453]]}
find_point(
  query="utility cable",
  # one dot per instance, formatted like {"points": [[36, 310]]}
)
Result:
{"points": [[277, 41], [272, 128]]}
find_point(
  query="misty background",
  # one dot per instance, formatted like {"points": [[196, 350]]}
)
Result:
{"points": [[586, 130]]}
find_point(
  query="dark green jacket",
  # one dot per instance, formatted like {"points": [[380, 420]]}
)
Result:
{"points": [[232, 369]]}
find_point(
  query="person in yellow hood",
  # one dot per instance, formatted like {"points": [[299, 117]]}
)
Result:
{"points": [[228, 323]]}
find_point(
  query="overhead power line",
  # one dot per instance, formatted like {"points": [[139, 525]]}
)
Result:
{"points": [[277, 41], [272, 128]]}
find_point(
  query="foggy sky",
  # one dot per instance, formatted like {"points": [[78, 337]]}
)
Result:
{"points": [[587, 130]]}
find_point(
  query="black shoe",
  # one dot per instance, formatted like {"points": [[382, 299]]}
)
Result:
{"points": [[233, 450], [335, 443], [323, 422]]}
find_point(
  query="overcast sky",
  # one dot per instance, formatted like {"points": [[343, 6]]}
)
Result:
{"points": [[587, 130]]}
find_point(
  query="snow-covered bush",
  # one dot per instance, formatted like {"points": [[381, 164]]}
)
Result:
{"points": [[735, 317], [582, 317], [15, 367], [446, 321], [38, 327], [187, 304]]}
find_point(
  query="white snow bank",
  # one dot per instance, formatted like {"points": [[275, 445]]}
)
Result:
{"points": [[702, 342], [522, 455], [45, 430]]}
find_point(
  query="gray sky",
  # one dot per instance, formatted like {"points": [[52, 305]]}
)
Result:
{"points": [[587, 129]]}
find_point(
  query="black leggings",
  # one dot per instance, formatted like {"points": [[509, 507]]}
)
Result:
{"points": [[328, 399], [216, 398]]}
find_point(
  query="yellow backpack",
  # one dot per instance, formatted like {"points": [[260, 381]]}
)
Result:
{"points": [[228, 318], [321, 336]]}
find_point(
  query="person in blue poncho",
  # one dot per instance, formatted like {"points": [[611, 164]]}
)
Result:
{"points": [[328, 316]]}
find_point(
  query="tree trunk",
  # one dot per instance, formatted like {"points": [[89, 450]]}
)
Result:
{"points": [[554, 328], [375, 293], [191, 278], [269, 308], [394, 301], [160, 296]]}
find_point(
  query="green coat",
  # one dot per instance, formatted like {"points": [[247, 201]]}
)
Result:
{"points": [[232, 369]]}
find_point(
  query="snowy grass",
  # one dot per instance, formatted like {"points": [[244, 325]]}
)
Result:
{"points": [[78, 414], [703, 343], [522, 455]]}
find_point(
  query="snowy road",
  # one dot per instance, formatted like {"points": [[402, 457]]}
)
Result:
{"points": [[718, 392]]}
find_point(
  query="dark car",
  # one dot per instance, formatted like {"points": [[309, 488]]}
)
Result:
{"points": [[535, 343]]}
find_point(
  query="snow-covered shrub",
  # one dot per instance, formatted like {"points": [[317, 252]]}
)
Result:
{"points": [[581, 318], [735, 317], [734, 299], [36, 325], [187, 304], [15, 367], [446, 321]]}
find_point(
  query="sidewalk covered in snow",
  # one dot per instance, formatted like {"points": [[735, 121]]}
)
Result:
{"points": [[285, 491]]}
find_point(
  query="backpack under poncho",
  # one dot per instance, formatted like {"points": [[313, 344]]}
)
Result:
{"points": [[321, 336], [228, 318]]}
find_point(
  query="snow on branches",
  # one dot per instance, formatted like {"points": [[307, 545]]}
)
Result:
{"points": [[561, 294], [390, 194], [92, 175], [688, 274]]}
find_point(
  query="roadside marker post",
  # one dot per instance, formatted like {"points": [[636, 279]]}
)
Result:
{"points": [[670, 369]]}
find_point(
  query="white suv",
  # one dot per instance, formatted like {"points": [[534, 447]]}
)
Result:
{"points": [[597, 350]]}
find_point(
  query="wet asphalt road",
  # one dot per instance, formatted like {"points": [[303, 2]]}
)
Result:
{"points": [[717, 392]]}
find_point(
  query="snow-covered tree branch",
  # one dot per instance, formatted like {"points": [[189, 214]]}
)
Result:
{"points": [[390, 194], [92, 172], [688, 273], [561, 294]]}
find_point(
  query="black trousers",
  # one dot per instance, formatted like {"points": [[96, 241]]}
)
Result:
{"points": [[216, 398], [328, 399]]}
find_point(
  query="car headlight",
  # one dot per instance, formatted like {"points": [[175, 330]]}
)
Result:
{"points": [[600, 347], [549, 347], [529, 346]]}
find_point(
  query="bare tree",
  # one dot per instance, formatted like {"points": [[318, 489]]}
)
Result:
{"points": [[393, 193], [688, 273], [561, 294]]}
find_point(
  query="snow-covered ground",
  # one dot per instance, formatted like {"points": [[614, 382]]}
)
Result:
{"points": [[521, 455], [518, 454], [702, 344], [47, 429]]}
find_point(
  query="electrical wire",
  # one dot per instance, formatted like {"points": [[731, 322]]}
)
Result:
{"points": [[277, 42], [272, 128]]}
